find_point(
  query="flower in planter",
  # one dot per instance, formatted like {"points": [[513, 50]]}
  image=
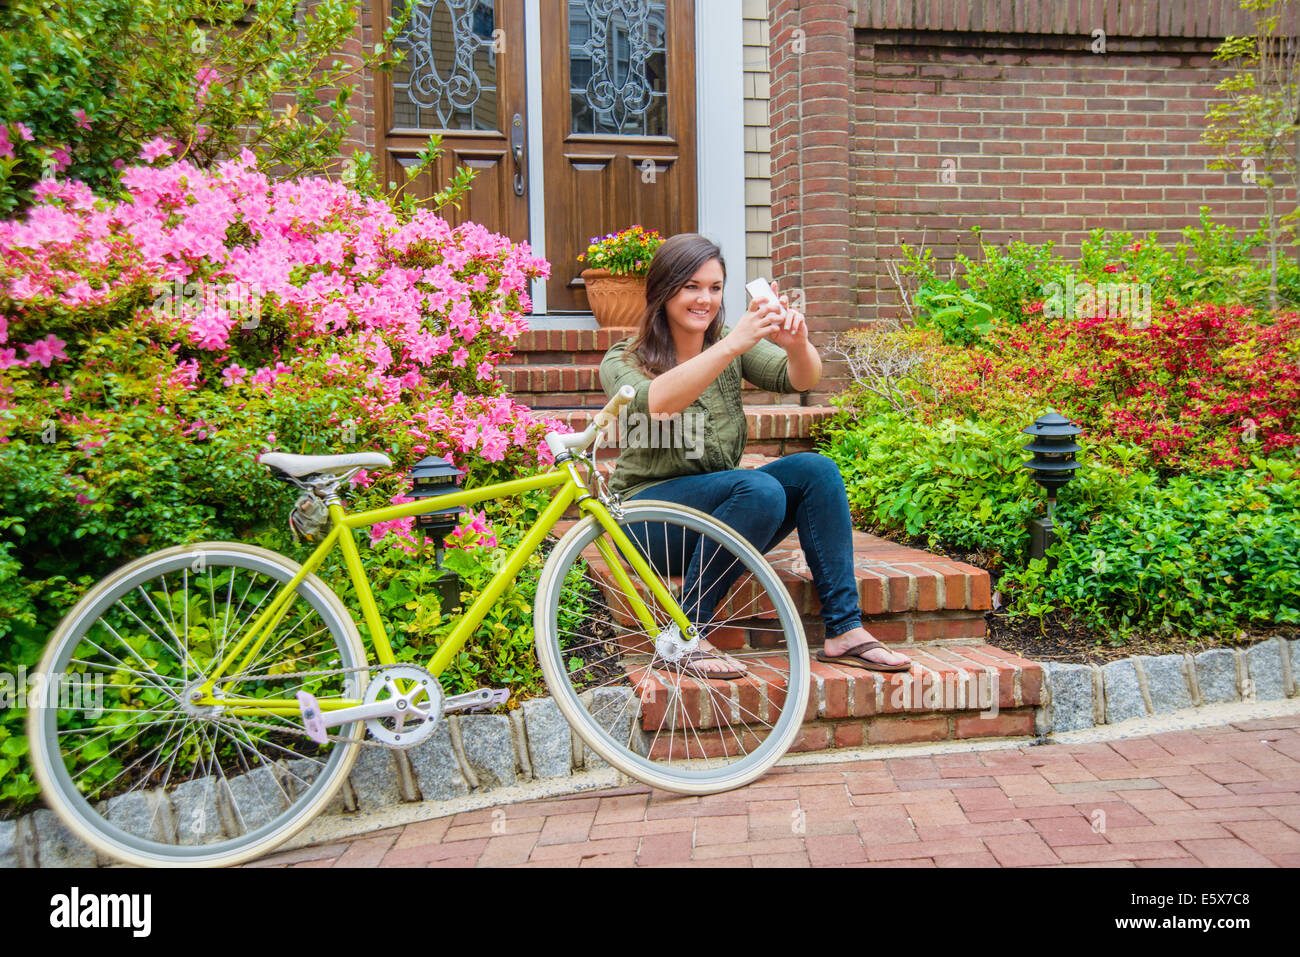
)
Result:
{"points": [[626, 253]]}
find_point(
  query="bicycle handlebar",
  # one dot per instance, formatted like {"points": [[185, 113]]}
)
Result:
{"points": [[579, 441]]}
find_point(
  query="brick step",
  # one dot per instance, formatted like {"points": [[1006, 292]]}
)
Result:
{"points": [[544, 357], [970, 691], [570, 341], [541, 379]]}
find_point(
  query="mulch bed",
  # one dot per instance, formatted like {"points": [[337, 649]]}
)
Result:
{"points": [[1060, 637]]}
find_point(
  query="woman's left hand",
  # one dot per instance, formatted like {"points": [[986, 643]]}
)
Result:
{"points": [[793, 332]]}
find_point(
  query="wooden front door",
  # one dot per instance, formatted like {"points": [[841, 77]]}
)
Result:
{"points": [[616, 136], [619, 101], [464, 78]]}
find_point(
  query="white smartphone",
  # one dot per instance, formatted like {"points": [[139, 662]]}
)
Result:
{"points": [[760, 288]]}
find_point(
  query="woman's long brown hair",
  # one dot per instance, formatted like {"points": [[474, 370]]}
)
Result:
{"points": [[674, 263]]}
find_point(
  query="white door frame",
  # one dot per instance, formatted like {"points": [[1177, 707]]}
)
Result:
{"points": [[720, 146]]}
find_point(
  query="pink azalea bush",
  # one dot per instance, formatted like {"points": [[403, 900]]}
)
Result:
{"points": [[152, 345]]}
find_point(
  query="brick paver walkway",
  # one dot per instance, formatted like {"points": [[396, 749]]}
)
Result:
{"points": [[1213, 797]]}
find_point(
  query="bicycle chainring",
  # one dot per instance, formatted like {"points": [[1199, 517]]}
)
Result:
{"points": [[420, 705]]}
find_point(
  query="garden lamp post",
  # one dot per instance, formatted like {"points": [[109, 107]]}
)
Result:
{"points": [[432, 477], [1053, 466]]}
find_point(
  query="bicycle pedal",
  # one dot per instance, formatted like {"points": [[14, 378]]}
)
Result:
{"points": [[311, 717], [479, 700], [496, 698]]}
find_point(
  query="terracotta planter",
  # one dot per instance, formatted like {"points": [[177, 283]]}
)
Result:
{"points": [[616, 301]]}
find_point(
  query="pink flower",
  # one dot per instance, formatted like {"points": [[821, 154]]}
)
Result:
{"points": [[45, 351], [233, 375], [475, 533], [485, 371], [6, 148], [62, 159], [118, 164], [9, 358], [459, 358], [203, 79], [24, 131], [1111, 268], [155, 148], [267, 376], [83, 120]]}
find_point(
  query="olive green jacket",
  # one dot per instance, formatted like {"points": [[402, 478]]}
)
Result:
{"points": [[709, 436]]}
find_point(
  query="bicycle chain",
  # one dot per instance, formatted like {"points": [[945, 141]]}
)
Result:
{"points": [[302, 732]]}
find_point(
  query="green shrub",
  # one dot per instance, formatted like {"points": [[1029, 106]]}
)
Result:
{"points": [[85, 85], [960, 484], [1199, 555]]}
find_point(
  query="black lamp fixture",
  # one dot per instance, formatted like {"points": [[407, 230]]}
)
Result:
{"points": [[1053, 465], [430, 478]]}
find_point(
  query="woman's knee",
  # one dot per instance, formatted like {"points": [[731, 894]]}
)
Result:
{"points": [[818, 470], [759, 490]]}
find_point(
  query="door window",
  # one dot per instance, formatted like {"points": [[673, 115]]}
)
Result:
{"points": [[448, 78], [618, 80]]}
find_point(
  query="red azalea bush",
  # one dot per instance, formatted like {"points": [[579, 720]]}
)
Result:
{"points": [[1197, 387]]}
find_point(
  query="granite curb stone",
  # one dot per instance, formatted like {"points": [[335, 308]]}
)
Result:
{"points": [[550, 743], [437, 770], [1070, 695], [1216, 673], [8, 843], [489, 748], [55, 845], [1166, 678], [1264, 665], [375, 778], [1123, 691]]}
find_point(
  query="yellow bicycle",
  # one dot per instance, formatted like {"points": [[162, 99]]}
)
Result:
{"points": [[237, 690]]}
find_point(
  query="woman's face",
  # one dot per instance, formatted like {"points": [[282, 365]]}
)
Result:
{"points": [[695, 305]]}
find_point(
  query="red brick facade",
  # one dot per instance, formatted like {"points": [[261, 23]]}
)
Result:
{"points": [[894, 120]]}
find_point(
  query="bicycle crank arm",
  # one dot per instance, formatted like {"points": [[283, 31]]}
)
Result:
{"points": [[317, 721], [476, 700]]}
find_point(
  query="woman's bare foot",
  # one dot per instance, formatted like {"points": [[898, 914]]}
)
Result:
{"points": [[882, 656], [716, 662]]}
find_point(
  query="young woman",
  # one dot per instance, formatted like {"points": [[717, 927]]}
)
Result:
{"points": [[683, 360]]}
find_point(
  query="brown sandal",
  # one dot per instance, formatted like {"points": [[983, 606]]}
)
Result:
{"points": [[853, 659], [688, 664]]}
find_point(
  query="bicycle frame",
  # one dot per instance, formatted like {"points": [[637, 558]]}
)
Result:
{"points": [[343, 525]]}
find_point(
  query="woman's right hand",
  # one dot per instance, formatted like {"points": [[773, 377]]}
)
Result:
{"points": [[759, 321]]}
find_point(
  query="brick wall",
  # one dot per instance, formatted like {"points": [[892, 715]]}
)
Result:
{"points": [[1041, 138], [813, 185], [361, 107], [758, 143]]}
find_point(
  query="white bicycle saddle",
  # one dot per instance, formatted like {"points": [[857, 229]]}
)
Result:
{"points": [[300, 465]]}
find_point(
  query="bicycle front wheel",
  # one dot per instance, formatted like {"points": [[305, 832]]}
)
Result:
{"points": [[143, 774], [614, 677]]}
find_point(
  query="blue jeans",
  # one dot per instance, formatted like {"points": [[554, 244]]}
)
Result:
{"points": [[803, 491]]}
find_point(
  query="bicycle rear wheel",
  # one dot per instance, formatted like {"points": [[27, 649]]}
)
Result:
{"points": [[141, 773], [615, 680]]}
